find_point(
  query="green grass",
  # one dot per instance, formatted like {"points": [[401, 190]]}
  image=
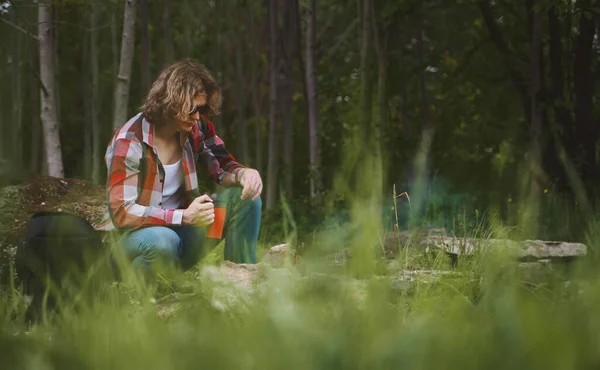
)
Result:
{"points": [[488, 312], [485, 317]]}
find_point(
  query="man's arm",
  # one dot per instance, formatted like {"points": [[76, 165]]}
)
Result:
{"points": [[220, 165], [223, 167]]}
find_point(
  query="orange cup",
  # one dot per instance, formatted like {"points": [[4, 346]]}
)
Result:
{"points": [[215, 230]]}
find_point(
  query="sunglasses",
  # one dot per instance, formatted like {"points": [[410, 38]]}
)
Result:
{"points": [[197, 109]]}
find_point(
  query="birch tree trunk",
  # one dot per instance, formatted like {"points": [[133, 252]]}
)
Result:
{"points": [[95, 95], [124, 76], [54, 30], [313, 108], [36, 137], [273, 147], [145, 46], [48, 107]]}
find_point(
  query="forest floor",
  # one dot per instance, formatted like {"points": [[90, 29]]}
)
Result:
{"points": [[408, 304]]}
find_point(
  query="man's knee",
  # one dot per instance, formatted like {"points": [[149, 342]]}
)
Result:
{"points": [[157, 243], [235, 195]]}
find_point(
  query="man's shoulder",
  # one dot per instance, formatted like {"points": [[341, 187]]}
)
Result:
{"points": [[131, 131]]}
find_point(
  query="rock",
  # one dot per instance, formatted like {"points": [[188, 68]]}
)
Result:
{"points": [[414, 238], [276, 256], [524, 250]]}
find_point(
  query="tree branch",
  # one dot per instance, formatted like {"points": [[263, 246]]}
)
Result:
{"points": [[20, 29], [341, 39]]}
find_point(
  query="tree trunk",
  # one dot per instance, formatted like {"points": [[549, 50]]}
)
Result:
{"points": [[422, 79], [535, 143], [124, 76], [55, 41], [403, 87], [313, 107], [95, 95], [168, 34], [47, 92], [17, 98], [273, 147], [586, 131], [86, 97], [36, 137], [114, 46], [256, 101], [420, 172], [366, 78], [187, 34], [560, 96], [242, 137], [290, 53], [381, 47], [145, 46]]}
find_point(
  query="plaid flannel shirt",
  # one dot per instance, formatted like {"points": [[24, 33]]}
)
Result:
{"points": [[134, 186]]}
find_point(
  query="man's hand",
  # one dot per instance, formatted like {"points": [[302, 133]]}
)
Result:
{"points": [[201, 212], [251, 183]]}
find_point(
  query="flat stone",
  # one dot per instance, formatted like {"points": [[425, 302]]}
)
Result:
{"points": [[536, 249]]}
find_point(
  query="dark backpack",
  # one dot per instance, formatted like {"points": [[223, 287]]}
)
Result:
{"points": [[58, 250]]}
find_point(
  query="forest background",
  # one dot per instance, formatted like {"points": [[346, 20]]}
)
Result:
{"points": [[474, 108]]}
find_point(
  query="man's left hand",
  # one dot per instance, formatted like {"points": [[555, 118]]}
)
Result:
{"points": [[251, 184]]}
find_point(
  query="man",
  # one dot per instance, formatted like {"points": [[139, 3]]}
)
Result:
{"points": [[152, 189]]}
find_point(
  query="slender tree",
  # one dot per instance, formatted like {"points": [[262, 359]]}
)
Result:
{"points": [[366, 56], [168, 32], [48, 106], [313, 108], [126, 60], [273, 101], [254, 87], [95, 92], [145, 56], [289, 55], [17, 94]]}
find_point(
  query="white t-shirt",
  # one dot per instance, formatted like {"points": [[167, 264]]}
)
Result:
{"points": [[173, 181]]}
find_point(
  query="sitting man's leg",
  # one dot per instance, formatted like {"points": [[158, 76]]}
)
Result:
{"points": [[151, 248], [193, 248], [242, 225]]}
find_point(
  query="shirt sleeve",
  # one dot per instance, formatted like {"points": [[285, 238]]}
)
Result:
{"points": [[124, 191], [213, 156]]}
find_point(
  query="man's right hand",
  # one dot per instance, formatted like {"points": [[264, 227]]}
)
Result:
{"points": [[201, 212]]}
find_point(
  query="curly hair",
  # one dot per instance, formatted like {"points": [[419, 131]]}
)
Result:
{"points": [[172, 94]]}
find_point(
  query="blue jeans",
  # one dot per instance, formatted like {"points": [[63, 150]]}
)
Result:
{"points": [[184, 246]]}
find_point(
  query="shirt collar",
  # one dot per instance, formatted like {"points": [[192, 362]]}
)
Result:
{"points": [[148, 134]]}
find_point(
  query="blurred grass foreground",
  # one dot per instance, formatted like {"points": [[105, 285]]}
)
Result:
{"points": [[344, 303]]}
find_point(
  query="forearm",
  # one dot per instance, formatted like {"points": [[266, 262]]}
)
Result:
{"points": [[231, 179], [133, 215]]}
